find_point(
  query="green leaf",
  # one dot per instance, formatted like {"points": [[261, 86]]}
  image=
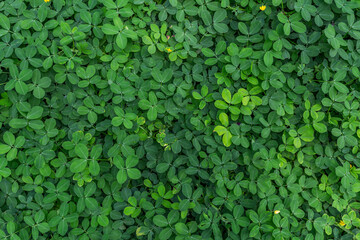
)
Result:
{"points": [[219, 16], [66, 40], [109, 29], [43, 227], [10, 227], [134, 173], [276, 2], [356, 187], [5, 172], [297, 142], [206, 17], [268, 58], [224, 119], [237, 98], [152, 114], [21, 88], [78, 165], [91, 203], [63, 227], [131, 161], [220, 47], [103, 220], [85, 16], [181, 228], [282, 18], [18, 123], [245, 53], [4, 22], [121, 40], [221, 104], [220, 130], [226, 94], [197, 95], [35, 113], [254, 231], [39, 216], [81, 151], [65, 27], [162, 76], [92, 117], [25, 74], [126, 12], [144, 104], [230, 68], [108, 4], [245, 110], [94, 168], [287, 28], [4, 148], [320, 127], [160, 221], [208, 52], [165, 234], [204, 90], [173, 3], [341, 87], [221, 27], [36, 124], [298, 27], [129, 210], [227, 139], [330, 31], [9, 138], [121, 176]]}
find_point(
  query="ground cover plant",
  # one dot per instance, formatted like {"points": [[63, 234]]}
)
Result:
{"points": [[194, 119]]}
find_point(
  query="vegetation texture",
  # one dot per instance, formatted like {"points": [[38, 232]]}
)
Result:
{"points": [[194, 119]]}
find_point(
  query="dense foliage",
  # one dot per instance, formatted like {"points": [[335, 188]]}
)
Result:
{"points": [[194, 119]]}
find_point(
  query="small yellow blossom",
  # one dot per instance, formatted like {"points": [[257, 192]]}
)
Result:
{"points": [[168, 49], [277, 211], [351, 166], [263, 7], [46, 1], [342, 223]]}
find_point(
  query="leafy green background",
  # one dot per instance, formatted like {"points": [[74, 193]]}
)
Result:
{"points": [[192, 119]]}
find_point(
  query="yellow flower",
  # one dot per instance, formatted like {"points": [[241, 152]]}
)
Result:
{"points": [[277, 211], [342, 223], [46, 1], [263, 7], [351, 166], [168, 49]]}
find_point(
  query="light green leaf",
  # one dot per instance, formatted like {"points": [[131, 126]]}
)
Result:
{"points": [[226, 94], [4, 148], [109, 29], [103, 220], [223, 117], [121, 40]]}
